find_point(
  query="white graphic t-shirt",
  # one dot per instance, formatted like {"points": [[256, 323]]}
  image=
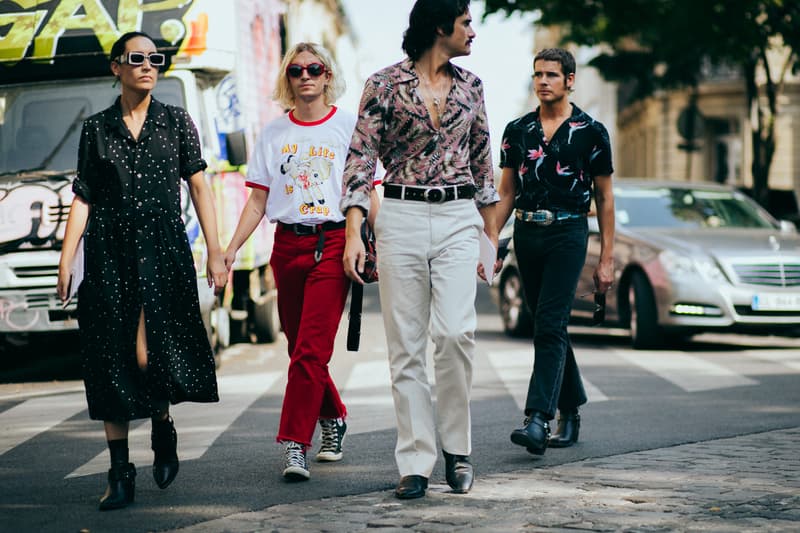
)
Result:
{"points": [[301, 165]]}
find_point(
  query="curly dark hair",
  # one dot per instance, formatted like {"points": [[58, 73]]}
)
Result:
{"points": [[559, 55], [118, 48], [426, 17]]}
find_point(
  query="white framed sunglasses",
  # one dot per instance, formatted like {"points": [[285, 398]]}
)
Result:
{"points": [[156, 59]]}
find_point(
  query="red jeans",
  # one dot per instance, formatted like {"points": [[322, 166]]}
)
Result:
{"points": [[311, 298]]}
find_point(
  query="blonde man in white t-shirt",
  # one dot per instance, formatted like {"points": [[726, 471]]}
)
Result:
{"points": [[296, 180]]}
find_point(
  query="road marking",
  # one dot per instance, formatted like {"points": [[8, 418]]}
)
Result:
{"points": [[514, 370], [49, 391], [688, 372], [198, 424], [593, 394], [789, 359], [369, 411], [26, 420], [369, 375]]}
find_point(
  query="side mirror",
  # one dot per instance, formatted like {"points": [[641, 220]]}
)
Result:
{"points": [[787, 228], [236, 148]]}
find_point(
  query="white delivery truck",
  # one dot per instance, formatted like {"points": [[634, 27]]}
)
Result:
{"points": [[54, 73]]}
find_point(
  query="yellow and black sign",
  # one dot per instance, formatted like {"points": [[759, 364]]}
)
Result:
{"points": [[58, 39]]}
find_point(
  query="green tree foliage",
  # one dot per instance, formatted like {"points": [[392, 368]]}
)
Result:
{"points": [[667, 43]]}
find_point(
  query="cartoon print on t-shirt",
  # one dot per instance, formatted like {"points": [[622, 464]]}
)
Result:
{"points": [[308, 173]]}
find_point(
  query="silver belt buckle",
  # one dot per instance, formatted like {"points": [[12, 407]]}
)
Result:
{"points": [[434, 195], [543, 217]]}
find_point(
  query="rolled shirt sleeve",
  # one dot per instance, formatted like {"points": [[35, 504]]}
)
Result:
{"points": [[86, 167], [480, 152], [191, 158], [362, 158]]}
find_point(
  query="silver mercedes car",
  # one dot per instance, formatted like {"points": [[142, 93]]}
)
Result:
{"points": [[689, 258]]}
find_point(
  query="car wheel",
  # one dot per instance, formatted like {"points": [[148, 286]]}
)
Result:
{"points": [[516, 316], [263, 316], [645, 331], [239, 327], [220, 330], [266, 324]]}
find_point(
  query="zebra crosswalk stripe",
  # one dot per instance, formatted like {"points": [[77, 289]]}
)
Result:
{"points": [[367, 395], [32, 417], [198, 426], [688, 372], [514, 370], [789, 359]]}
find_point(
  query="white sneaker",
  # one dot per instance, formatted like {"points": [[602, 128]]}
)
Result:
{"points": [[332, 437], [296, 467]]}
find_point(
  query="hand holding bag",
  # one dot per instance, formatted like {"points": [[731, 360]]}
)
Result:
{"points": [[369, 275]]}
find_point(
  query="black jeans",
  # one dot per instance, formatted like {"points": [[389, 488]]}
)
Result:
{"points": [[550, 260]]}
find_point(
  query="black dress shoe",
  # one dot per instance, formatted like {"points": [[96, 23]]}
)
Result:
{"points": [[569, 425], [164, 442], [458, 472], [121, 487], [534, 435], [411, 487]]}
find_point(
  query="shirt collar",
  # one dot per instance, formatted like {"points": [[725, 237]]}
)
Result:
{"points": [[156, 113], [576, 111], [409, 73]]}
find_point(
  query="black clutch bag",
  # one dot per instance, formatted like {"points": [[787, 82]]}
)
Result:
{"points": [[369, 275]]}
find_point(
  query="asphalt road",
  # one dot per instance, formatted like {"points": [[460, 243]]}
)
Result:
{"points": [[52, 462]]}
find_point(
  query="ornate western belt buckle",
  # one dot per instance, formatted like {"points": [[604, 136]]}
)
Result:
{"points": [[542, 217], [434, 195]]}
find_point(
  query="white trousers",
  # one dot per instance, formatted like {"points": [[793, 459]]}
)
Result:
{"points": [[427, 259]]}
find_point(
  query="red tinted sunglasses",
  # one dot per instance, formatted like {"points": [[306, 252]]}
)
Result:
{"points": [[315, 70]]}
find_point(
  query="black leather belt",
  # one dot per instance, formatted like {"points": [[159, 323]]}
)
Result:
{"points": [[306, 229], [316, 229], [433, 195]]}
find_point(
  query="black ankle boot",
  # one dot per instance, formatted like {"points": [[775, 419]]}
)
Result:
{"points": [[164, 442], [534, 434], [569, 425], [121, 487]]}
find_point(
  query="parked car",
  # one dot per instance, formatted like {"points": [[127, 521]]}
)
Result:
{"points": [[689, 258]]}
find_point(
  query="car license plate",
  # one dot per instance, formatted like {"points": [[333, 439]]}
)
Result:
{"points": [[776, 302]]}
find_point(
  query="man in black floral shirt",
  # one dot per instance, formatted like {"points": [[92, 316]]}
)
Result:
{"points": [[553, 158]]}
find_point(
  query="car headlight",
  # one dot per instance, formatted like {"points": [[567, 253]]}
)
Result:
{"points": [[681, 265], [709, 270], [676, 264]]}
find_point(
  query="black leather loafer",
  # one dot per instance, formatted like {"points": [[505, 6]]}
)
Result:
{"points": [[121, 487], [411, 487], [534, 435], [569, 425], [164, 442], [458, 472]]}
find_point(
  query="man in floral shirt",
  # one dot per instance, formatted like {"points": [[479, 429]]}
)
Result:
{"points": [[425, 119], [552, 159]]}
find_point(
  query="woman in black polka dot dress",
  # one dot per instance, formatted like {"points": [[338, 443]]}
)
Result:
{"points": [[143, 341]]}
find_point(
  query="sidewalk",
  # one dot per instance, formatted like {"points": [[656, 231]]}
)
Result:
{"points": [[749, 483]]}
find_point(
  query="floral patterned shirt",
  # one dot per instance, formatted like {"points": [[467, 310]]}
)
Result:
{"points": [[556, 174], [394, 126]]}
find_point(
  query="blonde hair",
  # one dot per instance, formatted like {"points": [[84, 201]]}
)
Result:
{"points": [[333, 89]]}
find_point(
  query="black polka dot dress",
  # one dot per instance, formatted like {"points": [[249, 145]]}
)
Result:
{"points": [[138, 257]]}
